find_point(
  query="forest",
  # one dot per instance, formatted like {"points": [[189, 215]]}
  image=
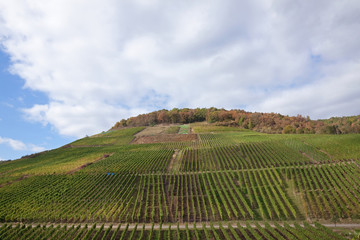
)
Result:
{"points": [[260, 122]]}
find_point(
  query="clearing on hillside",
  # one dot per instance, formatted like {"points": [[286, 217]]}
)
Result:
{"points": [[157, 130]]}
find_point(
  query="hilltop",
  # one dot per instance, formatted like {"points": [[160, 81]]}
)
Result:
{"points": [[186, 181], [261, 122]]}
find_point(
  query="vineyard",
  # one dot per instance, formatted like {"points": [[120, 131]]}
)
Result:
{"points": [[141, 231], [221, 184]]}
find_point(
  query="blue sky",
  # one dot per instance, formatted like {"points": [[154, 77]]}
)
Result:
{"points": [[19, 136], [77, 67]]}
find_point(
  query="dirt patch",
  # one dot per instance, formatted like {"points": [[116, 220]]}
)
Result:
{"points": [[162, 138], [158, 130], [148, 131], [172, 130], [87, 164]]}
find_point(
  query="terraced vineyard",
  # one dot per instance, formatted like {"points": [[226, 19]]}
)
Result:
{"points": [[222, 184], [168, 231]]}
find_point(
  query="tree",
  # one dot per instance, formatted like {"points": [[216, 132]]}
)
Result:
{"points": [[122, 123], [174, 115], [241, 120], [300, 130], [162, 116], [262, 122], [328, 130], [200, 114], [213, 117], [288, 129], [250, 126], [117, 125]]}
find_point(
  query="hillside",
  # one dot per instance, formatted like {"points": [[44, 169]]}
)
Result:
{"points": [[186, 181], [260, 122]]}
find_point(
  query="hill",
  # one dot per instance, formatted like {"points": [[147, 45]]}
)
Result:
{"points": [[260, 122], [185, 181]]}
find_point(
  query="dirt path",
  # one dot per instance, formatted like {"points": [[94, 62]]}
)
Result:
{"points": [[182, 226], [173, 161]]}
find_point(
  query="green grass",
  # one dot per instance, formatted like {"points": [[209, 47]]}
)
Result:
{"points": [[184, 129], [57, 161], [63, 160], [96, 141], [173, 129], [339, 146], [121, 132], [119, 137]]}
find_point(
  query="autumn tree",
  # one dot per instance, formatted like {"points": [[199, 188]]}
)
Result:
{"points": [[288, 129], [262, 122]]}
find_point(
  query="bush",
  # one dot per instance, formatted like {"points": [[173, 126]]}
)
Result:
{"points": [[288, 130]]}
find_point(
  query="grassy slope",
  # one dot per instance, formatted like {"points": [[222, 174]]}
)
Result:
{"points": [[142, 159]]}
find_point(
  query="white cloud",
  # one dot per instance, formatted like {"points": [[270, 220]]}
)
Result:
{"points": [[14, 144], [34, 148], [79, 119], [336, 94], [100, 61], [20, 146]]}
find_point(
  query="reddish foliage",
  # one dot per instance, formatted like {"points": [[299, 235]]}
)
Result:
{"points": [[262, 122]]}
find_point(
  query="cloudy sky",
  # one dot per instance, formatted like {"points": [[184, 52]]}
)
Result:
{"points": [[70, 68]]}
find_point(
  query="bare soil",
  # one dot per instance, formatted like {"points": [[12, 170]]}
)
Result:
{"points": [[155, 130], [162, 138]]}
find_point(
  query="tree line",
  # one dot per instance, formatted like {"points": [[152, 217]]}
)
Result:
{"points": [[261, 122]]}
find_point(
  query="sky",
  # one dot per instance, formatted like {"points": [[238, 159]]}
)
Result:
{"points": [[71, 68]]}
